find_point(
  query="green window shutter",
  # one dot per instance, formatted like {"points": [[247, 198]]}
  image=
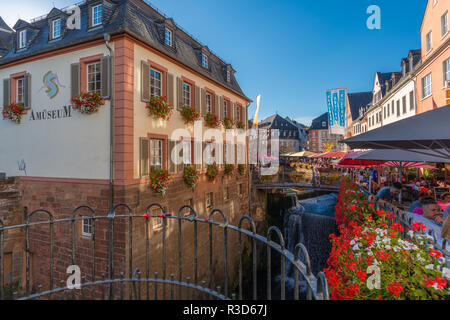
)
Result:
{"points": [[27, 91], [216, 105], [203, 106], [198, 155], [144, 157], [6, 90], [179, 93], [75, 79], [220, 109], [197, 99], [170, 93], [145, 81], [106, 77], [172, 167], [232, 111]]}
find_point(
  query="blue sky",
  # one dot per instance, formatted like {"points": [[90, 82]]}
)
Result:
{"points": [[289, 51]]}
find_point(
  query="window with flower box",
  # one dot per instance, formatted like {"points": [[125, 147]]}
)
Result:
{"points": [[156, 154], [208, 103], [20, 90], [94, 77], [225, 109], [187, 94], [155, 83]]}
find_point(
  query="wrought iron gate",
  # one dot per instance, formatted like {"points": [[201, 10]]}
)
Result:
{"points": [[135, 284]]}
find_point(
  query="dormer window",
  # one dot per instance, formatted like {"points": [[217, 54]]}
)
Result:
{"points": [[22, 39], [168, 37], [204, 61], [228, 76], [324, 124], [97, 15], [56, 28]]}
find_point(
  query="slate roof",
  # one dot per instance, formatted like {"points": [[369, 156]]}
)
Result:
{"points": [[3, 25], [136, 18], [270, 122], [358, 101], [317, 122]]}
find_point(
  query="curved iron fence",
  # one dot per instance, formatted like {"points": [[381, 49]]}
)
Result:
{"points": [[133, 282]]}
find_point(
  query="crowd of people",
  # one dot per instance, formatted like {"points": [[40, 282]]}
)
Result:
{"points": [[436, 209]]}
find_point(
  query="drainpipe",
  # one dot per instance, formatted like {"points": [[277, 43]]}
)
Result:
{"points": [[107, 38]]}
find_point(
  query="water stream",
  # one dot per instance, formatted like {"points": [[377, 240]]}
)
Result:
{"points": [[310, 223]]}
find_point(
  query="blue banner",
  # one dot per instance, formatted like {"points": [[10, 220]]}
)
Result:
{"points": [[330, 109], [335, 107], [342, 105], [336, 102]]}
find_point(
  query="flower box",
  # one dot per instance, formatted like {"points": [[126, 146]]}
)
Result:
{"points": [[159, 108], [88, 102], [14, 112]]}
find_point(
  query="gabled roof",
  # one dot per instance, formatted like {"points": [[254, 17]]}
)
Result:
{"points": [[55, 12], [4, 26], [383, 76], [21, 24], [358, 101], [142, 22], [317, 122], [269, 122]]}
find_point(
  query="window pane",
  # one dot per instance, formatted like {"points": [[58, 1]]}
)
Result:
{"points": [[156, 154], [94, 77]]}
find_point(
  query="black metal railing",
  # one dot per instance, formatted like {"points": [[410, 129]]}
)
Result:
{"points": [[119, 276]]}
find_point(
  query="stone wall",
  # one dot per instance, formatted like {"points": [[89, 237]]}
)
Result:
{"points": [[11, 213], [62, 197]]}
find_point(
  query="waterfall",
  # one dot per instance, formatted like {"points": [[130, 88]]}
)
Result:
{"points": [[310, 223]]}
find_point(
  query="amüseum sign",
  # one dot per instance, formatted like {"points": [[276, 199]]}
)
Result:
{"points": [[64, 112]]}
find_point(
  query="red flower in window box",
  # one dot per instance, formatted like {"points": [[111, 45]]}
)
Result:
{"points": [[212, 171], [159, 180], [241, 169], [88, 102], [189, 114], [228, 123], [240, 125], [13, 112], [159, 108], [190, 176], [229, 168], [212, 121]]}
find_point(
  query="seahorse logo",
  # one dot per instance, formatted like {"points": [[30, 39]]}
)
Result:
{"points": [[51, 84]]}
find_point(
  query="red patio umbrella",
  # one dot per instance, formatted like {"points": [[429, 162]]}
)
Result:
{"points": [[359, 163], [402, 164]]}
